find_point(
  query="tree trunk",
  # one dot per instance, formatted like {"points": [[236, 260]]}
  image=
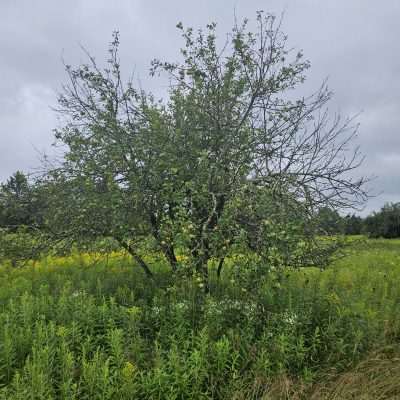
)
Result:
{"points": [[220, 265], [169, 253], [137, 258], [167, 248]]}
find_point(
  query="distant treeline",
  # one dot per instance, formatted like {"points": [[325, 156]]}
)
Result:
{"points": [[23, 205], [384, 223]]}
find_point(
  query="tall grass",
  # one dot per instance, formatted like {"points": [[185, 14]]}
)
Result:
{"points": [[86, 327]]}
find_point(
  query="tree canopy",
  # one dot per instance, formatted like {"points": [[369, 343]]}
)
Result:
{"points": [[229, 161]]}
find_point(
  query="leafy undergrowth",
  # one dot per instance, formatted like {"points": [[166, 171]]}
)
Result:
{"points": [[72, 328]]}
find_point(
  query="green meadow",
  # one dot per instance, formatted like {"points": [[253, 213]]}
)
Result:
{"points": [[94, 327]]}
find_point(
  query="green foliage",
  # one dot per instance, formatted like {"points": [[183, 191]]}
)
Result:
{"points": [[353, 224], [93, 327], [22, 209], [384, 223], [19, 245], [330, 222], [15, 204]]}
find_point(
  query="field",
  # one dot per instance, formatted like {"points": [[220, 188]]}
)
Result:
{"points": [[87, 327]]}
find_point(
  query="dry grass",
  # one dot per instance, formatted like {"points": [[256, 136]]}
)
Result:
{"points": [[375, 378], [281, 388]]}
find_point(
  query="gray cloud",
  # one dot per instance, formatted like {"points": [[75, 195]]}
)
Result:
{"points": [[354, 43]]}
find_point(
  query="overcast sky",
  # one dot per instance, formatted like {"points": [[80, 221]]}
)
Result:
{"points": [[355, 43]]}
